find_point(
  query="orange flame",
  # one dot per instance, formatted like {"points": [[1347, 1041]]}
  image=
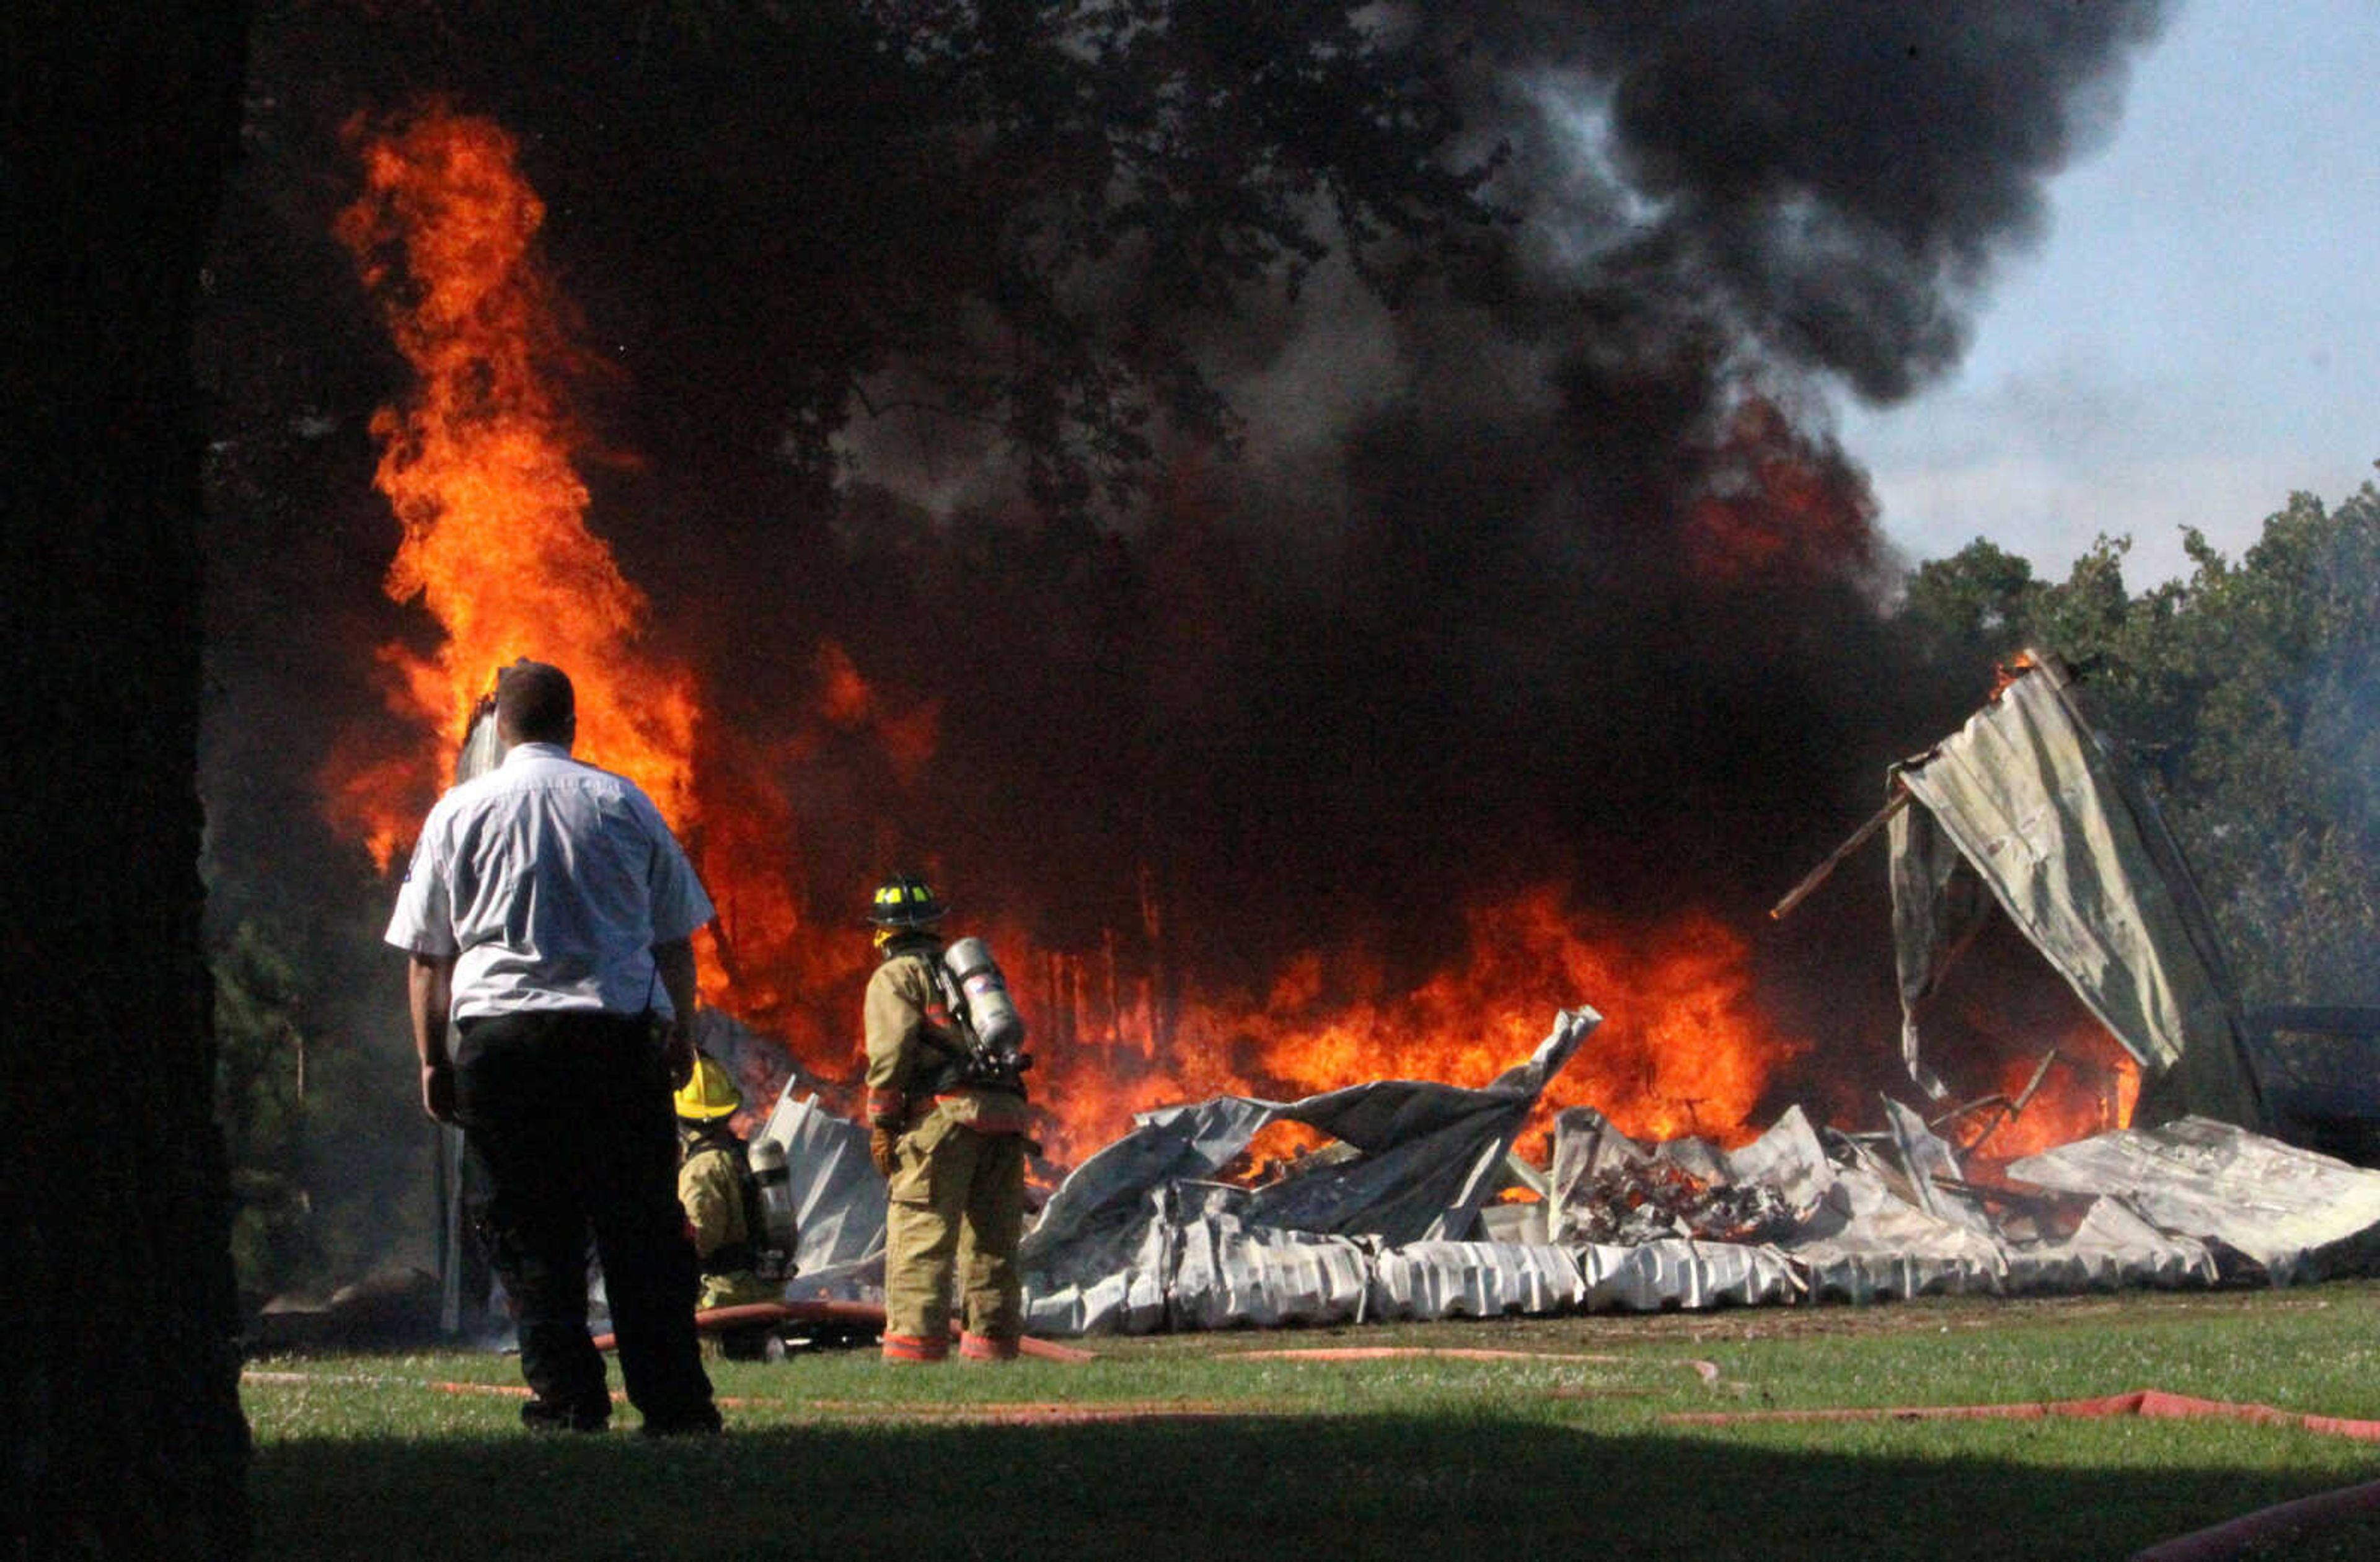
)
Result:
{"points": [[1684, 1048], [2091, 1086], [2006, 674], [1778, 507], [847, 702], [479, 467]]}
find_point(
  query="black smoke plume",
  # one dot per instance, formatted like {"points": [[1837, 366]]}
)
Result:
{"points": [[1515, 550]]}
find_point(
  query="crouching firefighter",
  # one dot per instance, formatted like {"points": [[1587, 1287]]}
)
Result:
{"points": [[946, 1104], [724, 1209]]}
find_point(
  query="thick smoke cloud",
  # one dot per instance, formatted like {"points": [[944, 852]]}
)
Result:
{"points": [[1840, 179], [1462, 617], [1549, 572]]}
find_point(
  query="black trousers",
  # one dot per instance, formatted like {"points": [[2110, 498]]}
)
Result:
{"points": [[567, 1118]]}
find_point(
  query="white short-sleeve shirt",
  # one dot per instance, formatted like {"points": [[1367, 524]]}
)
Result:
{"points": [[548, 882]]}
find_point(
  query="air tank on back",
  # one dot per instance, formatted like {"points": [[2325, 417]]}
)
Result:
{"points": [[767, 1159], [997, 1024]]}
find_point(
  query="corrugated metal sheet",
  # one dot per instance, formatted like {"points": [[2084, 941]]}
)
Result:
{"points": [[1142, 1238], [2277, 1213], [1476, 1280], [1681, 1272], [2027, 798], [838, 1196]]}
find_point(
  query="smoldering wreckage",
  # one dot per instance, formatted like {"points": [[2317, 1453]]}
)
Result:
{"points": [[1406, 1211]]}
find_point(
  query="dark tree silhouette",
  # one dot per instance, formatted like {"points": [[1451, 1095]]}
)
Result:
{"points": [[122, 1406]]}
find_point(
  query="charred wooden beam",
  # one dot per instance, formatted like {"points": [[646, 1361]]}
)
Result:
{"points": [[1859, 837]]}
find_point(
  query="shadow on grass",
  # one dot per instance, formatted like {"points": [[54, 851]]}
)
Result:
{"points": [[1231, 1490]]}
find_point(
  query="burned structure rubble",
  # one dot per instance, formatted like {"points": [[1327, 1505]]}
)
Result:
{"points": [[1141, 1237], [1409, 1212], [2028, 810], [2025, 808]]}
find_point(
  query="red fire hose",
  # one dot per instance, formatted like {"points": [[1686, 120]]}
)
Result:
{"points": [[863, 1314]]}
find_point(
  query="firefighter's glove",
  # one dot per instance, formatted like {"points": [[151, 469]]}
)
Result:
{"points": [[883, 1148]]}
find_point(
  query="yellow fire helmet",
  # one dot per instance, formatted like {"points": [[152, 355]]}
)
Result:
{"points": [[711, 1094], [905, 901]]}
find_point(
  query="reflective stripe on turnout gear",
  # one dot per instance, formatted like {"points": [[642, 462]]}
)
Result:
{"points": [[915, 1347], [987, 1347]]}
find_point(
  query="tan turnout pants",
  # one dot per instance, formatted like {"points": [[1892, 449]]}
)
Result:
{"points": [[954, 1210]]}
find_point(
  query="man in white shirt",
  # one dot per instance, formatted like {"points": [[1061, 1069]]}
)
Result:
{"points": [[549, 913]]}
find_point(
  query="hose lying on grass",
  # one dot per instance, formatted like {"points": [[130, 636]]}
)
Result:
{"points": [[2306, 1518], [2153, 1403], [863, 1314]]}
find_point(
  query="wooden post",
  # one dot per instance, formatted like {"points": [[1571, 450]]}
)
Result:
{"points": [[1820, 874]]}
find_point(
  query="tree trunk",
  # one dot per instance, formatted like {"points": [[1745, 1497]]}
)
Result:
{"points": [[121, 1399]]}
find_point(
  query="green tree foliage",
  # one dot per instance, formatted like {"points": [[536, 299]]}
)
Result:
{"points": [[999, 218], [2250, 695], [1972, 607], [262, 1105]]}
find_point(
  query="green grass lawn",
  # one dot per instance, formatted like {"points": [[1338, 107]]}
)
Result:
{"points": [[1210, 1453]]}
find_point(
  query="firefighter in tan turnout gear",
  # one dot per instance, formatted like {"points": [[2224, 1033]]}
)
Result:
{"points": [[723, 1211], [946, 1102]]}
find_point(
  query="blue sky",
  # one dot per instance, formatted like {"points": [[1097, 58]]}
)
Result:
{"points": [[2198, 335]]}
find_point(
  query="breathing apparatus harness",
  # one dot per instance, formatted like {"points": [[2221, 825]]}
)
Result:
{"points": [[755, 1252], [977, 997], [984, 1046]]}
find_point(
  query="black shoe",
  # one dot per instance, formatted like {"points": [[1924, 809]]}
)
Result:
{"points": [[704, 1422], [543, 1415]]}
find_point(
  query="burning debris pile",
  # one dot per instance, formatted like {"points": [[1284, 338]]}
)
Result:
{"points": [[1387, 1206], [1142, 1238], [2027, 811], [1280, 781], [1391, 1221], [484, 466], [1628, 1197], [620, 429], [1639, 1203]]}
